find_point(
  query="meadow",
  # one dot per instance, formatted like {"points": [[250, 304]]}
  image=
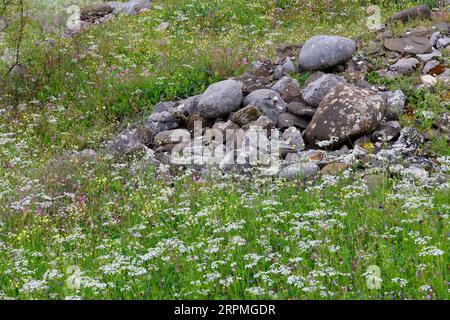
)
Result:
{"points": [[96, 230]]}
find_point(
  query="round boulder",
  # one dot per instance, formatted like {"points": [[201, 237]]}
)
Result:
{"points": [[347, 112], [321, 52]]}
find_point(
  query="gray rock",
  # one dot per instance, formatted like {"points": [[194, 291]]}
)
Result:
{"points": [[130, 7], [409, 44], [288, 88], [162, 106], [184, 108], [301, 109], [262, 94], [278, 73], [445, 77], [263, 122], [220, 99], [288, 66], [314, 92], [167, 140], [395, 102], [443, 122], [269, 102], [347, 112], [313, 77], [443, 42], [428, 56], [434, 38], [410, 139], [126, 145], [405, 65], [287, 119], [299, 171], [387, 132], [321, 52], [421, 11]]}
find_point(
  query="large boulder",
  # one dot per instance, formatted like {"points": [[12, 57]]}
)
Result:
{"points": [[220, 99], [321, 52], [347, 112], [315, 91]]}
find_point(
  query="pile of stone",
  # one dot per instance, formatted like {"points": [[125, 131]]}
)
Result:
{"points": [[98, 13], [328, 117], [416, 50]]}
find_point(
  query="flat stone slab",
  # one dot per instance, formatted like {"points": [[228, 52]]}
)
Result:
{"points": [[415, 45]]}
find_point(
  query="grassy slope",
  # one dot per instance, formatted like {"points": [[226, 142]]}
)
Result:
{"points": [[104, 221]]}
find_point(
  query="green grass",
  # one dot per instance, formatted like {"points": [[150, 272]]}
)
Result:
{"points": [[136, 237]]}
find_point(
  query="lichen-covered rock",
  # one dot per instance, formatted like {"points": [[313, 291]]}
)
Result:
{"points": [[288, 88], [422, 11], [220, 99], [410, 139], [347, 112], [315, 91], [405, 65], [321, 52], [246, 115], [387, 131], [395, 102]]}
